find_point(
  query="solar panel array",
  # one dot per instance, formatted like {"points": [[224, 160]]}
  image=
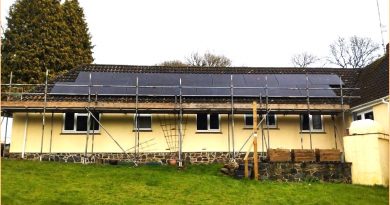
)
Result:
{"points": [[114, 83]]}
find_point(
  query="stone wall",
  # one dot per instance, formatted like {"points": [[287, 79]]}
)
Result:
{"points": [[305, 171], [279, 171], [159, 157]]}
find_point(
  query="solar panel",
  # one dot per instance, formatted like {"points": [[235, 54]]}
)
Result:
{"points": [[277, 84], [196, 79], [291, 79], [329, 79], [281, 92], [222, 80]]}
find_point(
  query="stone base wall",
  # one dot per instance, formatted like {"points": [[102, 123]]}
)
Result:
{"points": [[313, 171], [279, 171], [159, 157]]}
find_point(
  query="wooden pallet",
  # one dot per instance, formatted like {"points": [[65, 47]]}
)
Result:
{"points": [[328, 155], [303, 155], [278, 155]]}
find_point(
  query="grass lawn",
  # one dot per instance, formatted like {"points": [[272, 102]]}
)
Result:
{"points": [[32, 182]]}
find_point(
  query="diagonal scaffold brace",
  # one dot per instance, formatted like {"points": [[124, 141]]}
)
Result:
{"points": [[116, 142]]}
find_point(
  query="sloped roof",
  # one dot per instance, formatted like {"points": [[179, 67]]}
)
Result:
{"points": [[348, 77], [373, 81]]}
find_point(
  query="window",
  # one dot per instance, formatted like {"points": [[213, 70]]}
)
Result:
{"points": [[312, 123], [207, 122], [248, 120], [77, 122], [144, 122], [271, 120], [364, 115]]}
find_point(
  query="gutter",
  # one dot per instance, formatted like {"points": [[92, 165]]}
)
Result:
{"points": [[370, 104]]}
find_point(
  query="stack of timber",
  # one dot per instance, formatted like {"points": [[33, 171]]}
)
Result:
{"points": [[303, 155], [278, 155], [328, 155]]}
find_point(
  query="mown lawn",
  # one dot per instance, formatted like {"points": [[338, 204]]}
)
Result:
{"points": [[32, 182]]}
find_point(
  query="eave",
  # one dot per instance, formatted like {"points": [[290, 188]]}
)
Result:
{"points": [[167, 107]]}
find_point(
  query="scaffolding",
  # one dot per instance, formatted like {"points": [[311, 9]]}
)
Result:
{"points": [[19, 102]]}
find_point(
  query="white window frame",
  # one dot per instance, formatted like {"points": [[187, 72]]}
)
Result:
{"points": [[75, 115], [362, 113], [269, 126], [208, 123], [311, 124], [142, 115]]}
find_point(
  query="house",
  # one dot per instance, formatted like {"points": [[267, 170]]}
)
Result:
{"points": [[198, 114], [367, 145]]}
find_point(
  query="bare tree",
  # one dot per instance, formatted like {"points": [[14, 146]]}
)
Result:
{"points": [[303, 59], [173, 63], [195, 60], [208, 60], [355, 53]]}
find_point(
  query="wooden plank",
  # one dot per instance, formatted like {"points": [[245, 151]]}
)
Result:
{"points": [[246, 164], [279, 155], [328, 155], [303, 155], [246, 169]]}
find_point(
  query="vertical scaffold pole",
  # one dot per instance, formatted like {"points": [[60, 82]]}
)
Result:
{"points": [[232, 114], [228, 119], [93, 135], [88, 119], [136, 137], [25, 135], [308, 109], [262, 129], [334, 131], [266, 109], [44, 114], [343, 118], [180, 124], [255, 156], [51, 134], [177, 128]]}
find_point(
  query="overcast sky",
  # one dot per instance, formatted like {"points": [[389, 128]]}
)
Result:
{"points": [[250, 33]]}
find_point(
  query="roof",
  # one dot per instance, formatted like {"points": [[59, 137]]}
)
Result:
{"points": [[373, 81], [348, 77]]}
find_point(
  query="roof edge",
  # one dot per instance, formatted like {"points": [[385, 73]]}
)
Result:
{"points": [[369, 104]]}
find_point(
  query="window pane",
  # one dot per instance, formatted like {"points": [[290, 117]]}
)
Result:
{"points": [[81, 123], [305, 122], [94, 124], [145, 122], [69, 121], [317, 122], [369, 115], [271, 120], [201, 121], [214, 121], [248, 120], [359, 117]]}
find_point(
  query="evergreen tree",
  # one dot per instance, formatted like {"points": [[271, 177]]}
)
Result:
{"points": [[37, 38], [80, 40]]}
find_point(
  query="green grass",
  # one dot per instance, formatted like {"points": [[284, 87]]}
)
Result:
{"points": [[32, 182]]}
